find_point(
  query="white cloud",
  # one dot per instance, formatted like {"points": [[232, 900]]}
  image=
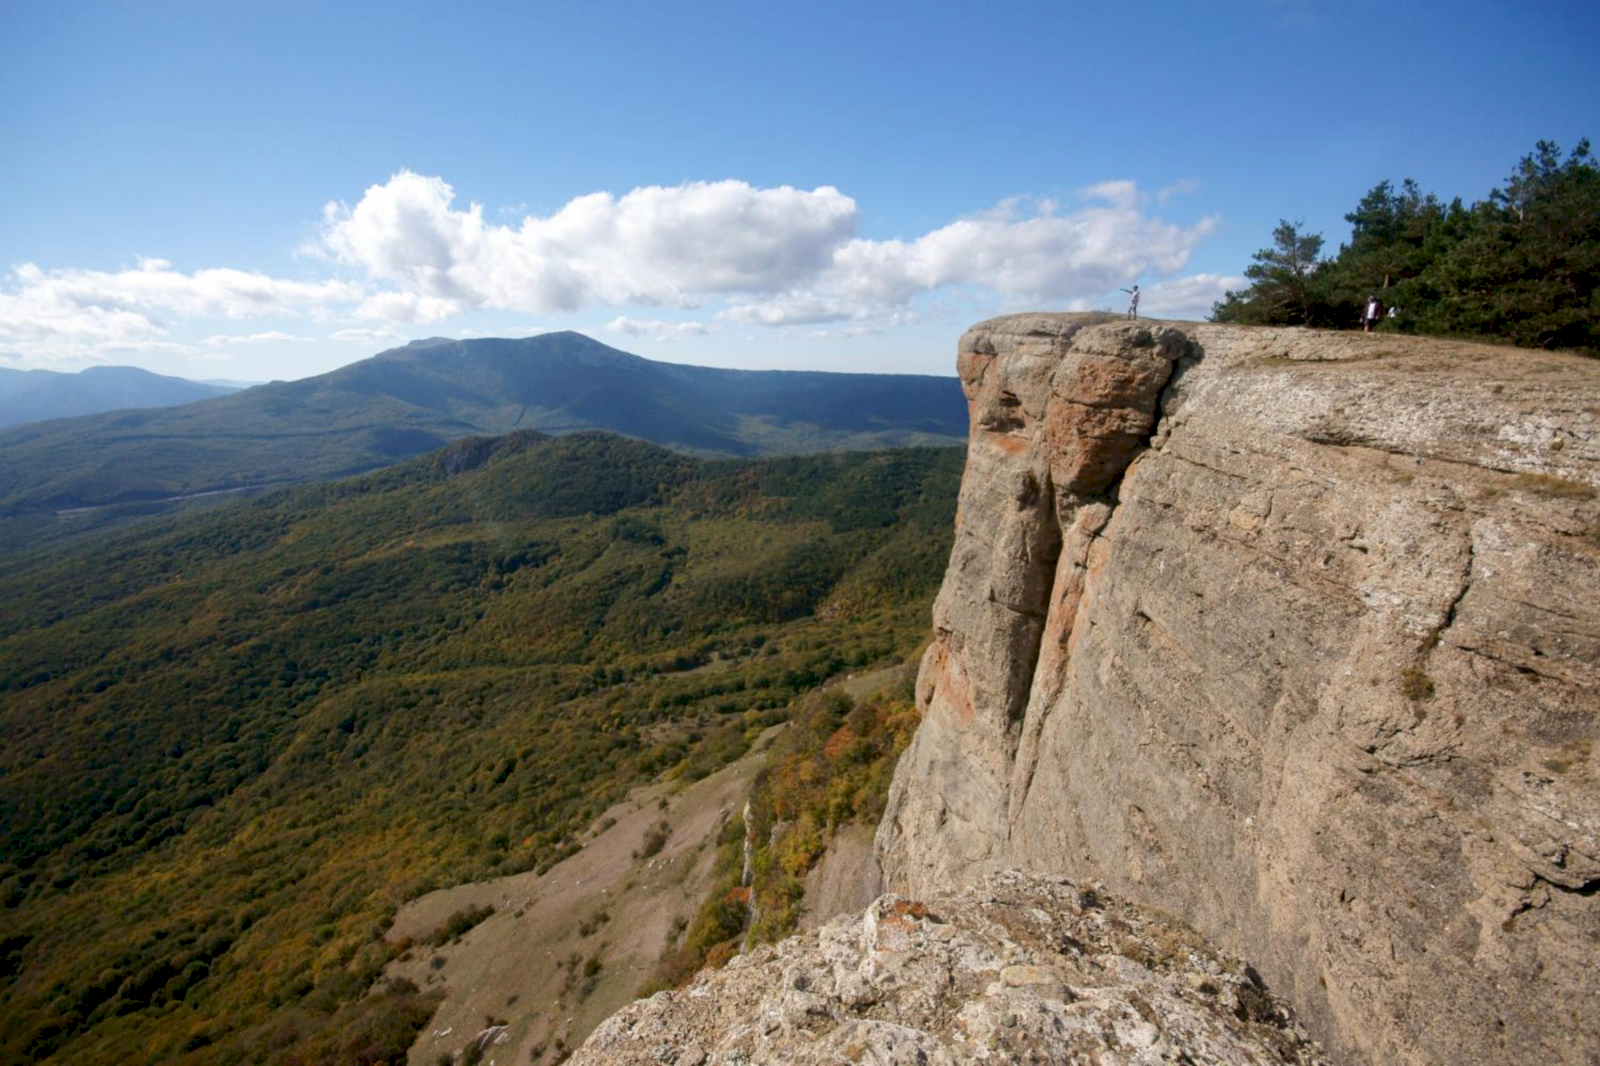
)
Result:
{"points": [[1181, 187], [74, 313], [779, 257], [1188, 298], [653, 246], [408, 307], [1027, 252], [794, 309], [222, 340], [365, 336], [1121, 194], [656, 328]]}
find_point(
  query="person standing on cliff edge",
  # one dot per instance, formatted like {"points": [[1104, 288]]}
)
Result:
{"points": [[1133, 301]]}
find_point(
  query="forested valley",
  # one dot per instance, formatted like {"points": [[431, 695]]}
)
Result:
{"points": [[238, 740]]}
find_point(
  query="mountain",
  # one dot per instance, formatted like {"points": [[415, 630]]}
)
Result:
{"points": [[413, 399], [38, 395], [232, 744], [1295, 636]]}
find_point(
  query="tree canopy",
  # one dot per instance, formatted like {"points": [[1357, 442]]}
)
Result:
{"points": [[1521, 265]]}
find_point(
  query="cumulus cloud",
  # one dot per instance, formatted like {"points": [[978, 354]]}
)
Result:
{"points": [[71, 313], [406, 253], [656, 328], [653, 246], [776, 257], [1026, 251], [409, 307], [1189, 297]]}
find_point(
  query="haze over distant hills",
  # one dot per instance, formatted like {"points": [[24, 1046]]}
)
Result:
{"points": [[410, 400], [37, 395]]}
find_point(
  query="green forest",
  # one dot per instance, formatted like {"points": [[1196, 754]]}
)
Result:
{"points": [[237, 740], [1521, 265]]}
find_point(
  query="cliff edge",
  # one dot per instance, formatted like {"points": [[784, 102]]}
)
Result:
{"points": [[1297, 636], [1015, 970]]}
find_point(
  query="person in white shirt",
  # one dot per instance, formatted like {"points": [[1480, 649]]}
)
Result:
{"points": [[1373, 315]]}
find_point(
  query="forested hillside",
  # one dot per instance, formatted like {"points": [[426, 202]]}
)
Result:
{"points": [[1521, 265], [413, 399], [235, 743]]}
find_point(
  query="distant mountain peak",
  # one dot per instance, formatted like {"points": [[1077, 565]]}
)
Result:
{"points": [[415, 398]]}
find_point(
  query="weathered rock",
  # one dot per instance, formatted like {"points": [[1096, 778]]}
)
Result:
{"points": [[1312, 661], [1015, 971]]}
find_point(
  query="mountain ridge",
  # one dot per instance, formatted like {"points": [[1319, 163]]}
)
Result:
{"points": [[28, 396], [409, 400]]}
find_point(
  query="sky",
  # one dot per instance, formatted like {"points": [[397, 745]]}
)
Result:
{"points": [[255, 191]]}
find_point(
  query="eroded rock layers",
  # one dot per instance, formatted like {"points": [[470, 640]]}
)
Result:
{"points": [[1297, 636]]}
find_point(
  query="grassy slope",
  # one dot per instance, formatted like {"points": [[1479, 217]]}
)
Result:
{"points": [[414, 399], [234, 744]]}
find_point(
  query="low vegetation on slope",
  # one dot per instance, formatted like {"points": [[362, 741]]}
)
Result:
{"points": [[829, 769], [235, 743]]}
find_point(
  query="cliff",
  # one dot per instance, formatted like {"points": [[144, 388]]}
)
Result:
{"points": [[1295, 635]]}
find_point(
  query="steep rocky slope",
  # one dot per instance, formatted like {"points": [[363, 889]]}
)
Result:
{"points": [[1296, 635], [1012, 971], [565, 948]]}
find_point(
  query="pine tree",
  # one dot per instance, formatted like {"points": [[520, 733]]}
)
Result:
{"points": [[1527, 266], [1522, 265], [1285, 289]]}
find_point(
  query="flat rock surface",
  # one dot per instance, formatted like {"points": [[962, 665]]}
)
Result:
{"points": [[1013, 970]]}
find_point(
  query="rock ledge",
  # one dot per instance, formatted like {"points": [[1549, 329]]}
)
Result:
{"points": [[1014, 969]]}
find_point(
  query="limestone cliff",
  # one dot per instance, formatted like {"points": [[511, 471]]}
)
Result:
{"points": [[1297, 636]]}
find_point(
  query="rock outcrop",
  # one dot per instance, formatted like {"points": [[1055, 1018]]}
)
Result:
{"points": [[1295, 635], [1013, 971]]}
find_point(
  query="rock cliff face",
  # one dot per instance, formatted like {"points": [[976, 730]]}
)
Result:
{"points": [[1297, 636]]}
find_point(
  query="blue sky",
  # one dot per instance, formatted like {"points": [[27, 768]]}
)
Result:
{"points": [[224, 190]]}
